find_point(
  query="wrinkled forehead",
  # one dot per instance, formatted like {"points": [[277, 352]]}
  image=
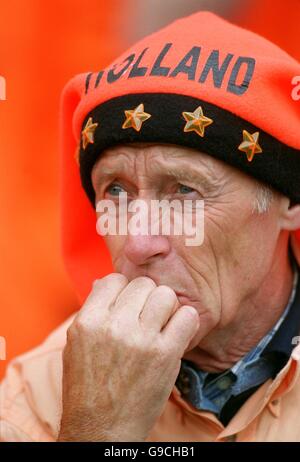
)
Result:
{"points": [[166, 159], [152, 164]]}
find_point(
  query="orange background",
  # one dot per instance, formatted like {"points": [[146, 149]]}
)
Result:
{"points": [[43, 44]]}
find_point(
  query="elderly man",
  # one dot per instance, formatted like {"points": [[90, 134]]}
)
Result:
{"points": [[177, 342]]}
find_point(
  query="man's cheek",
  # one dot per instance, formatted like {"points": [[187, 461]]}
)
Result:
{"points": [[219, 219], [217, 231]]}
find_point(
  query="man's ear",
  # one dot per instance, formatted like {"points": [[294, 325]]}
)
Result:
{"points": [[290, 215]]}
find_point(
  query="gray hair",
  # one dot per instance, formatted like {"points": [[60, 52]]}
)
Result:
{"points": [[263, 198]]}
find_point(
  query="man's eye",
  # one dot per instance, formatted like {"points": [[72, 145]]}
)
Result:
{"points": [[114, 189], [185, 189]]}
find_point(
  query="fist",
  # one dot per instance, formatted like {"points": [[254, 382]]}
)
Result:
{"points": [[122, 358]]}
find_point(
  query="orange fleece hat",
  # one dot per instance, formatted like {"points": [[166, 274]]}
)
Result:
{"points": [[200, 82]]}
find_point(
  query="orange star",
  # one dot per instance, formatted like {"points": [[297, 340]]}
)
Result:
{"points": [[136, 117], [196, 121], [250, 144], [88, 132]]}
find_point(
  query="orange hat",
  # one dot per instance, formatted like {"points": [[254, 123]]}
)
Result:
{"points": [[200, 82]]}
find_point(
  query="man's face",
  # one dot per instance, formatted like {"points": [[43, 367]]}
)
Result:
{"points": [[226, 271]]}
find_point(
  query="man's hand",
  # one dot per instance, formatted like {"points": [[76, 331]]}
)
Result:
{"points": [[122, 359]]}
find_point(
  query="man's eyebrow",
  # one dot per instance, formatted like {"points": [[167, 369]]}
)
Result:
{"points": [[196, 177], [102, 172]]}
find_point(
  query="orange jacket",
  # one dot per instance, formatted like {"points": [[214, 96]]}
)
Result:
{"points": [[31, 404]]}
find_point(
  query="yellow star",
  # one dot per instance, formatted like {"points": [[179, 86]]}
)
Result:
{"points": [[250, 144], [88, 132], [135, 118], [196, 121]]}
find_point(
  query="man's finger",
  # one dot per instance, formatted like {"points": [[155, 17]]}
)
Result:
{"points": [[132, 299], [181, 328], [104, 293], [159, 307]]}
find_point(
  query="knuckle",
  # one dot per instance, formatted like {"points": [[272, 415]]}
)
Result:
{"points": [[96, 283], [81, 326], [116, 277], [99, 283], [112, 277], [145, 281], [189, 314], [166, 291]]}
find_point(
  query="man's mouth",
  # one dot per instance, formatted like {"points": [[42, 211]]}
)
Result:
{"points": [[182, 298]]}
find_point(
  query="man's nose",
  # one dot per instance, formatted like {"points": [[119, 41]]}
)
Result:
{"points": [[141, 249]]}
